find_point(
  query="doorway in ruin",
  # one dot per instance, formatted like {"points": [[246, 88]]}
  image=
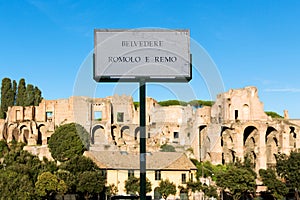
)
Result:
{"points": [[227, 144], [251, 141], [98, 135], [272, 146], [25, 132]]}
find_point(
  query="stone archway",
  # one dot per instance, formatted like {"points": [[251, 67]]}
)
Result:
{"points": [[41, 132], [25, 132], [227, 144], [251, 141], [272, 146], [98, 135], [136, 133]]}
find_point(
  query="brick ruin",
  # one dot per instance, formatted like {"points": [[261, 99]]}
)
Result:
{"points": [[235, 126]]}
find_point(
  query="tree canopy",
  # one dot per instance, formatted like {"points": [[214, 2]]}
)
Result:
{"points": [[237, 179], [18, 95], [68, 141], [132, 185], [275, 186], [166, 188], [288, 168]]}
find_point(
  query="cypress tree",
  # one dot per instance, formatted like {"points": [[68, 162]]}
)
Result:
{"points": [[37, 96], [7, 97], [29, 98], [15, 91], [20, 97]]}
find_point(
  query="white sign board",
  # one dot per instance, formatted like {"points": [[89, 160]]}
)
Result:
{"points": [[151, 54]]}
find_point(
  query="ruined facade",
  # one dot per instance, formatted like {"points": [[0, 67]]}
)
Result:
{"points": [[235, 126]]}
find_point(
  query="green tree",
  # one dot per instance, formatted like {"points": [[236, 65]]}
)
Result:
{"points": [[15, 185], [79, 164], [111, 190], [288, 168], [68, 178], [7, 97], [29, 95], [273, 114], [132, 185], [48, 185], [166, 188], [167, 148], [90, 182], [14, 88], [20, 97], [277, 188], [172, 103], [68, 141], [237, 180], [37, 96], [3, 148]]}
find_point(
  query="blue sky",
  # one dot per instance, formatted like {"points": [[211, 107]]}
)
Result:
{"points": [[251, 42]]}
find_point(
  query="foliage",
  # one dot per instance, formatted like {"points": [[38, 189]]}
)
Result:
{"points": [[277, 188], [19, 95], [79, 164], [172, 103], [111, 190], [166, 188], [210, 191], [236, 179], [3, 148], [15, 185], [68, 178], [132, 185], [136, 104], [167, 148], [68, 141], [48, 185], [273, 114], [288, 168], [29, 95], [200, 103], [7, 96], [194, 186], [204, 169], [195, 103], [90, 182]]}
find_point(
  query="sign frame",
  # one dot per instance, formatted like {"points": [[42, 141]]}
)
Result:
{"points": [[98, 77]]}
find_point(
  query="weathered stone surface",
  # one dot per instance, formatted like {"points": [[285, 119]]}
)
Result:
{"points": [[235, 126]]}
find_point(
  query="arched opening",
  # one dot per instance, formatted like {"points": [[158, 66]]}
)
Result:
{"points": [[123, 129], [40, 134], [98, 135], [251, 138], [292, 137], [246, 114], [25, 131], [15, 134], [250, 130], [272, 146], [113, 132], [136, 133]]}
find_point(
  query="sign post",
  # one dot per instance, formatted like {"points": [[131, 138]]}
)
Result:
{"points": [[142, 55]]}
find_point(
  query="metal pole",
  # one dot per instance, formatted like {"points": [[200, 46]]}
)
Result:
{"points": [[142, 140]]}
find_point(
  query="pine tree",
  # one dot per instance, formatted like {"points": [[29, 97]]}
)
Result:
{"points": [[21, 93], [7, 97]]}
